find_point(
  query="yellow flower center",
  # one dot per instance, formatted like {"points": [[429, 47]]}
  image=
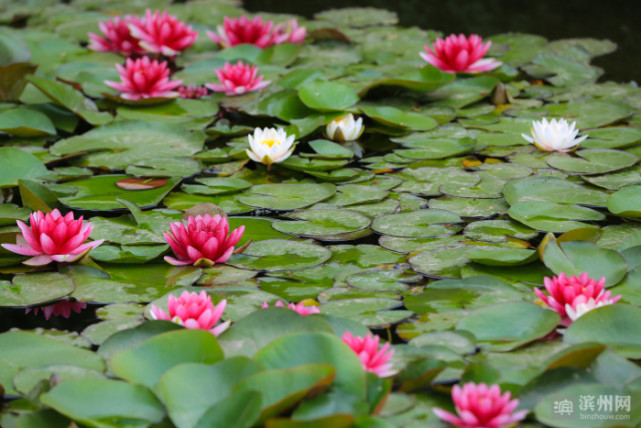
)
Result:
{"points": [[270, 143]]}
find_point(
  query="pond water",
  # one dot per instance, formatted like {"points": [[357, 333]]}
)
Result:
{"points": [[618, 21]]}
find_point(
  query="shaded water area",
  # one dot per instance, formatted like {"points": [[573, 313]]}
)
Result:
{"points": [[618, 21]]}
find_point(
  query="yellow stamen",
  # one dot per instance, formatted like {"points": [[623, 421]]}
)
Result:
{"points": [[270, 143]]}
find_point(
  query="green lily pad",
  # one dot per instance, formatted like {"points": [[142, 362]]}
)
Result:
{"points": [[498, 231], [33, 289], [506, 326], [565, 71], [146, 363], [188, 389], [469, 293], [29, 377], [391, 116], [24, 122], [433, 148], [327, 96], [316, 348], [610, 325], [322, 223], [16, 164], [275, 255], [590, 114], [100, 193], [463, 92], [418, 224], [625, 202], [551, 217], [9, 213], [592, 161], [285, 197], [613, 138], [576, 257], [71, 99], [470, 207], [121, 144], [382, 280], [96, 402], [21, 349], [551, 189], [544, 411]]}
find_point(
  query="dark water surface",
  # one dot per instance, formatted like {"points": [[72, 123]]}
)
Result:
{"points": [[617, 20]]}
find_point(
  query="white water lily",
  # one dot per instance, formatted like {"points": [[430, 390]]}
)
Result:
{"points": [[345, 128], [580, 306], [559, 136], [270, 145]]}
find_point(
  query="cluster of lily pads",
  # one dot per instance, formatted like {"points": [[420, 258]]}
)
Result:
{"points": [[337, 222]]}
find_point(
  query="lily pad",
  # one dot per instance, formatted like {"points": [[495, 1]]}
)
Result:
{"points": [[592, 161], [36, 288], [327, 96], [100, 193], [322, 223], [118, 145], [284, 197], [275, 255], [509, 325], [418, 224], [16, 164], [625, 202]]}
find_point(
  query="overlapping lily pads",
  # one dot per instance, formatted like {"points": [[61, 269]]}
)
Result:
{"points": [[431, 228]]}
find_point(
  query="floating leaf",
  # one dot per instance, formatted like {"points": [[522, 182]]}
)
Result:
{"points": [[275, 255]]}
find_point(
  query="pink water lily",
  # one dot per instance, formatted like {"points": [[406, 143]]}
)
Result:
{"points": [[204, 241], [301, 308], [290, 32], [144, 78], [582, 305], [62, 308], [236, 31], [117, 36], [237, 79], [192, 91], [481, 406], [460, 54], [568, 292], [52, 237], [194, 311], [163, 33], [374, 360]]}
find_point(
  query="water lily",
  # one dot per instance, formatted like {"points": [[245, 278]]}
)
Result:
{"points": [[582, 305], [53, 237], [270, 145], [204, 241], [372, 358], [574, 292], [555, 135], [194, 311], [192, 91], [62, 308], [117, 36], [301, 308], [236, 31], [345, 128], [460, 54], [163, 33], [238, 79], [291, 33], [481, 406], [144, 78]]}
